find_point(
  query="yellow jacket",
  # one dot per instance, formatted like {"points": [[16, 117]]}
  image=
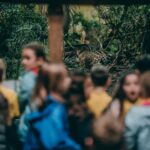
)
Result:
{"points": [[11, 96], [128, 105], [97, 102]]}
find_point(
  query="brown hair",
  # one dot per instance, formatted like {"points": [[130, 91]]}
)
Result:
{"points": [[56, 72], [37, 48], [49, 78], [43, 80], [145, 83], [119, 93], [2, 69]]}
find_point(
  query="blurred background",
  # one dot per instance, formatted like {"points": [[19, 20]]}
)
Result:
{"points": [[115, 36]]}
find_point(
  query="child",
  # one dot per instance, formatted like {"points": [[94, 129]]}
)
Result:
{"points": [[128, 93], [108, 129], [9, 111], [137, 131], [33, 56], [48, 122], [10, 96], [79, 117], [99, 99]]}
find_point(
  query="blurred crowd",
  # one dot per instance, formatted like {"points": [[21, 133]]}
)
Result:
{"points": [[56, 109]]}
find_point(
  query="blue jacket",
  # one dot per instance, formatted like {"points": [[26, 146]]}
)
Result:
{"points": [[23, 126], [49, 128], [137, 128], [27, 85]]}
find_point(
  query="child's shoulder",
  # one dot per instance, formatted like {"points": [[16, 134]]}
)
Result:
{"points": [[9, 93], [28, 74], [138, 111], [106, 97], [28, 77]]}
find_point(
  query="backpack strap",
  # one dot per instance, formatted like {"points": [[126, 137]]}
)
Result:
{"points": [[115, 108]]}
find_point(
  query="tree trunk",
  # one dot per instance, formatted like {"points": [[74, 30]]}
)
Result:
{"points": [[55, 32]]}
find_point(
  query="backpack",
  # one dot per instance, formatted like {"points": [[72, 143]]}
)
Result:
{"points": [[3, 122], [49, 128], [108, 128]]}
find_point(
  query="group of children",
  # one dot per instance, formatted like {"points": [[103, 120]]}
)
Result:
{"points": [[60, 110]]}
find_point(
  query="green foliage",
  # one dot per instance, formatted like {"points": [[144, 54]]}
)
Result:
{"points": [[116, 32], [18, 26], [115, 35]]}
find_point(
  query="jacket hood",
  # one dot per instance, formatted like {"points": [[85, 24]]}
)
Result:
{"points": [[45, 110]]}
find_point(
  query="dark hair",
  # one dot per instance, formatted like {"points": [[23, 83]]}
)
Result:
{"points": [[78, 74], [42, 81], [143, 64], [120, 94], [99, 75], [1, 75], [76, 90], [77, 80], [37, 48], [145, 83], [76, 87]]}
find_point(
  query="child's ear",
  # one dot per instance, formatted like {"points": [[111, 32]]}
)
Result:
{"points": [[108, 82]]}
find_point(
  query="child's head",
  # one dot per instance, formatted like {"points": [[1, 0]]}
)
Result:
{"points": [[88, 86], [129, 87], [76, 88], [100, 76], [60, 80], [77, 76], [143, 65], [76, 94], [2, 69], [52, 78], [33, 55], [145, 85]]}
